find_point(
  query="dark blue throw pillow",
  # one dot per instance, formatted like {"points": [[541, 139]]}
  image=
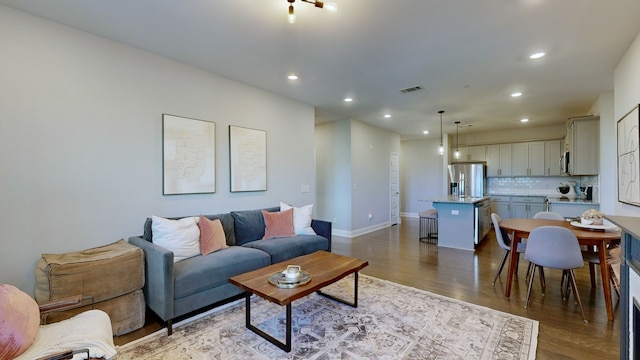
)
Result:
{"points": [[249, 225]]}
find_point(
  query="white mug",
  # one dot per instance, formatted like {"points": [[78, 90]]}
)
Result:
{"points": [[292, 272]]}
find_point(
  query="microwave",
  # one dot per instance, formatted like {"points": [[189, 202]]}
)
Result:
{"points": [[564, 163]]}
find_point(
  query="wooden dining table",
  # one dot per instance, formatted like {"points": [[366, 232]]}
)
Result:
{"points": [[520, 229]]}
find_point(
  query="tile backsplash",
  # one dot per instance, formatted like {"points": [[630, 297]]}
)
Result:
{"points": [[535, 185]]}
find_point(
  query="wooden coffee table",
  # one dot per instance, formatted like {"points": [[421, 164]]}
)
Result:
{"points": [[325, 268]]}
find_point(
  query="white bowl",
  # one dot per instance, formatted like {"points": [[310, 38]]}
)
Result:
{"points": [[586, 221]]}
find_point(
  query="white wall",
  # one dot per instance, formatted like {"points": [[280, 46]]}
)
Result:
{"points": [[370, 154], [423, 174], [626, 96], [527, 132], [333, 169], [603, 107], [80, 141], [353, 175]]}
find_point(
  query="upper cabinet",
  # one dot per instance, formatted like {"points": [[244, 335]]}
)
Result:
{"points": [[528, 159], [552, 151], [498, 160], [583, 144], [472, 153]]}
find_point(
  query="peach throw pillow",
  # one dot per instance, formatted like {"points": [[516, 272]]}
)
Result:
{"points": [[19, 321], [278, 224], [211, 235]]}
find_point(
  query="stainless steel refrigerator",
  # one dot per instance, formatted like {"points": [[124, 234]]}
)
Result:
{"points": [[468, 179]]}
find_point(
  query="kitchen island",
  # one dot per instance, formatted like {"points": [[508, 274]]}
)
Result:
{"points": [[462, 221]]}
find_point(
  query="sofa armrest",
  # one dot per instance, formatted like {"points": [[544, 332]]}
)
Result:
{"points": [[159, 278], [322, 228]]}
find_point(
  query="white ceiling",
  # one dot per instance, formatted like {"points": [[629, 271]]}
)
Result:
{"points": [[469, 56]]}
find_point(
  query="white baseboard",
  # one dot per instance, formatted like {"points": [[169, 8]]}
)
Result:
{"points": [[409, 215], [358, 232]]}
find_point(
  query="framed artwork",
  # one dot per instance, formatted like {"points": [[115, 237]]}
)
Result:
{"points": [[247, 159], [188, 156], [628, 158]]}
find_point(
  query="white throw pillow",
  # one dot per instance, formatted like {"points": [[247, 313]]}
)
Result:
{"points": [[301, 218], [182, 236]]}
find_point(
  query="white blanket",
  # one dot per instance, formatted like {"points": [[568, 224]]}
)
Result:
{"points": [[90, 329]]}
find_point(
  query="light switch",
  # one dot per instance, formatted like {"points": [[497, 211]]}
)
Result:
{"points": [[455, 212], [304, 188]]}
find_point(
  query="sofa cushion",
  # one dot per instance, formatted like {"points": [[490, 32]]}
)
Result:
{"points": [[282, 249], [278, 224], [200, 273], [226, 219], [302, 217], [211, 235], [182, 236], [249, 224]]}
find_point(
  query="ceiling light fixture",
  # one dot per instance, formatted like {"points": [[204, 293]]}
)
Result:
{"points": [[425, 132], [457, 153], [516, 94], [441, 148], [537, 55], [348, 99], [524, 120], [292, 77], [387, 116], [319, 4]]}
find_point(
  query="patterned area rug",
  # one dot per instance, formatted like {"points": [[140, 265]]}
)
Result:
{"points": [[392, 321]]}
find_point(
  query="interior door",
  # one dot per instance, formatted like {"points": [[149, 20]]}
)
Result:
{"points": [[394, 177]]}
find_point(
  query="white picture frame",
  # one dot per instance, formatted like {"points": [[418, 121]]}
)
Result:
{"points": [[628, 139], [247, 159], [188, 156]]}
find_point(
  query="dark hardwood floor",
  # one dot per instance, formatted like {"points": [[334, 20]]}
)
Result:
{"points": [[395, 254]]}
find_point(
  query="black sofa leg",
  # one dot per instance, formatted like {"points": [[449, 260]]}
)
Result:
{"points": [[169, 327]]}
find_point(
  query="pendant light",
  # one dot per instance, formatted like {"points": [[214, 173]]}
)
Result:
{"points": [[441, 148], [457, 153]]}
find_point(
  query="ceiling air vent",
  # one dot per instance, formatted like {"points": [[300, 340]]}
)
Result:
{"points": [[411, 89]]}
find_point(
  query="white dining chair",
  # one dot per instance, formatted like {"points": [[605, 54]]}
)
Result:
{"points": [[504, 241], [548, 215], [555, 247]]}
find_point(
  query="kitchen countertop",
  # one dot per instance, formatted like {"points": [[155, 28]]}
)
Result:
{"points": [[570, 200], [459, 200], [556, 198]]}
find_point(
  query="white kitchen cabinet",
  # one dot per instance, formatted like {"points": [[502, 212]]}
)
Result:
{"points": [[472, 153], [498, 159], [528, 159], [552, 151], [501, 206], [525, 207], [582, 142]]}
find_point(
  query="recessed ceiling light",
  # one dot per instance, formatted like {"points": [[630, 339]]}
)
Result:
{"points": [[292, 77], [425, 132], [524, 120], [387, 116], [348, 99], [516, 94], [537, 55]]}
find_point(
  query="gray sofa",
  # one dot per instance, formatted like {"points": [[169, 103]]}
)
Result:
{"points": [[175, 289]]}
